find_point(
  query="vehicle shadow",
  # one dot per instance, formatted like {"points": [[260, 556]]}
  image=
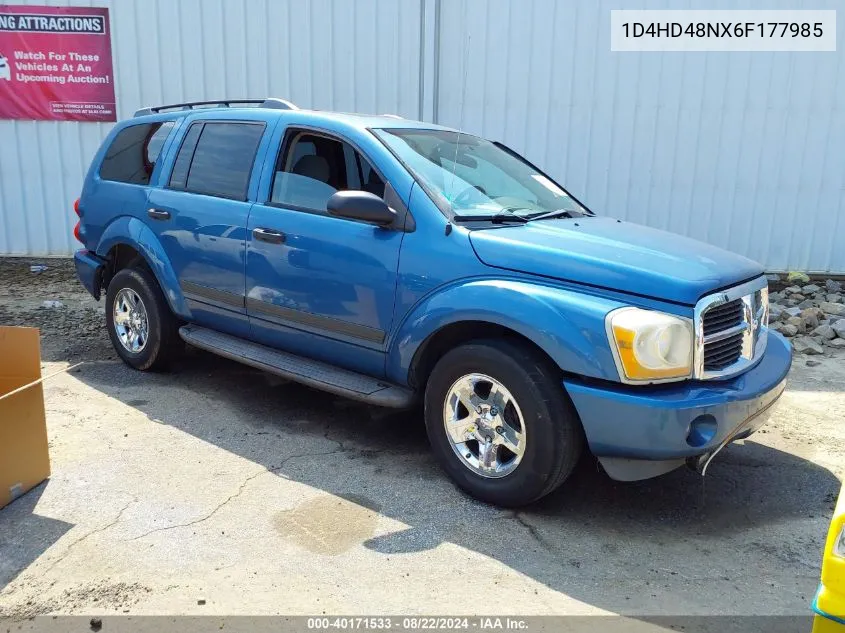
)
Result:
{"points": [[25, 535], [576, 541]]}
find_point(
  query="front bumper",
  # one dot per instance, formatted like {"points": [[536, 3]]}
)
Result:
{"points": [[640, 432], [89, 269]]}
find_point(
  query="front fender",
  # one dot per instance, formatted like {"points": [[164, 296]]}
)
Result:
{"points": [[132, 232], [567, 325]]}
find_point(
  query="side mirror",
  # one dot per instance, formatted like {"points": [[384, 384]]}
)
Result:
{"points": [[360, 205]]}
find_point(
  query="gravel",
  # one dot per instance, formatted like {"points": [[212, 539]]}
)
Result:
{"points": [[806, 345], [833, 308], [787, 329], [798, 307], [825, 331], [72, 323]]}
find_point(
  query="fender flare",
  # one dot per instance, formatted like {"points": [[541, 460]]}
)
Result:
{"points": [[567, 325], [132, 232]]}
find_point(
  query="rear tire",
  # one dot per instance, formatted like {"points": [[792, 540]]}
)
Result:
{"points": [[502, 464], [142, 329]]}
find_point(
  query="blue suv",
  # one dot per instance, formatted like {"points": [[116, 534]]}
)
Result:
{"points": [[396, 261]]}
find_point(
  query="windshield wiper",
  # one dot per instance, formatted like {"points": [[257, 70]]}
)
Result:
{"points": [[496, 218], [558, 213], [506, 214], [501, 218]]}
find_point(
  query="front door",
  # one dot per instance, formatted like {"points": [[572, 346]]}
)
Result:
{"points": [[200, 217], [319, 285]]}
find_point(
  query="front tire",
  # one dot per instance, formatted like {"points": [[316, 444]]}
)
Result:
{"points": [[500, 422], [142, 329]]}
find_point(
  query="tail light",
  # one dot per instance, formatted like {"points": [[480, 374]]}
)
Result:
{"points": [[77, 227]]}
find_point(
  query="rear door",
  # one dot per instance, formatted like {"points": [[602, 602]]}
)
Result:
{"points": [[200, 215]]}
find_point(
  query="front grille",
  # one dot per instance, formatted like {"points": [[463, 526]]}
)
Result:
{"points": [[722, 352], [731, 330], [722, 317]]}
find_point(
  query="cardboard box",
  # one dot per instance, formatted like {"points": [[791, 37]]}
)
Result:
{"points": [[24, 458]]}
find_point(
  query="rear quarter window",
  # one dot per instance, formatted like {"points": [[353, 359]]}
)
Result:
{"points": [[133, 153]]}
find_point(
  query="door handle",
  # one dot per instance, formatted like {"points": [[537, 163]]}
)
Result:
{"points": [[158, 214], [268, 235]]}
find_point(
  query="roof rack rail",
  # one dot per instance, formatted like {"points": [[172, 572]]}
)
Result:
{"points": [[278, 104], [275, 104]]}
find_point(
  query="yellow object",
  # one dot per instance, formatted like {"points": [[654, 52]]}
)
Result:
{"points": [[24, 459], [829, 603]]}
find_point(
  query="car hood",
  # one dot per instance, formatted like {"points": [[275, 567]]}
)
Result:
{"points": [[617, 255]]}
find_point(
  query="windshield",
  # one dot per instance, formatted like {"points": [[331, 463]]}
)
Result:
{"points": [[474, 177]]}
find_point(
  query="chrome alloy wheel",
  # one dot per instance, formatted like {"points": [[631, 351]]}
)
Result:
{"points": [[484, 425], [130, 320]]}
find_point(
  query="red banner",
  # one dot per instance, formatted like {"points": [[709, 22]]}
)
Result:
{"points": [[56, 64]]}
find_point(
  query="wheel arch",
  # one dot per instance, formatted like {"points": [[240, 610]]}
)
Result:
{"points": [[565, 325], [458, 333], [124, 241]]}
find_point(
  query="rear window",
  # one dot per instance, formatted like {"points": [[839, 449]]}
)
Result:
{"points": [[216, 159], [134, 151]]}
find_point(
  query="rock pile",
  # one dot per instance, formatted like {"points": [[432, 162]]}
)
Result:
{"points": [[812, 314]]}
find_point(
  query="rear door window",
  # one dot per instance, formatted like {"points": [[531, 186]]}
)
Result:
{"points": [[179, 176], [133, 153], [216, 159]]}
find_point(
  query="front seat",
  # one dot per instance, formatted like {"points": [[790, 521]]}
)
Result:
{"points": [[313, 166], [306, 185]]}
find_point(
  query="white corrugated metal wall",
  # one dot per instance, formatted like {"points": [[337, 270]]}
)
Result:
{"points": [[361, 56], [739, 149], [743, 150]]}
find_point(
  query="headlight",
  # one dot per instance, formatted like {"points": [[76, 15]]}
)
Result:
{"points": [[839, 545], [650, 346]]}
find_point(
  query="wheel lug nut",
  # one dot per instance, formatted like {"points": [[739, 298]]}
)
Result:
{"points": [[478, 409], [500, 430], [494, 411]]}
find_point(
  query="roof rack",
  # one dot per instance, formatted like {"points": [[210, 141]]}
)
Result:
{"points": [[272, 103]]}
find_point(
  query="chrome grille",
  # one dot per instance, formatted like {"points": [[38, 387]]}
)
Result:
{"points": [[722, 317], [731, 330], [724, 353]]}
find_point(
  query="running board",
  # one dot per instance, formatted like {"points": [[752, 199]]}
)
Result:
{"points": [[298, 368]]}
